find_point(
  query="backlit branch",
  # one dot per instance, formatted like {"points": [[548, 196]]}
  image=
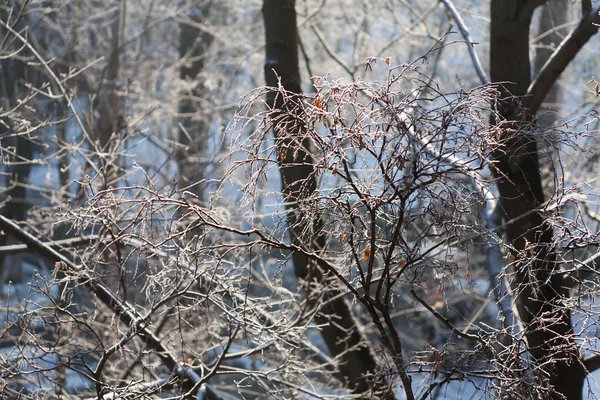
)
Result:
{"points": [[561, 58]]}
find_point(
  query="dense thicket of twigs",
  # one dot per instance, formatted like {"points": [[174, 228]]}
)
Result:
{"points": [[123, 277]]}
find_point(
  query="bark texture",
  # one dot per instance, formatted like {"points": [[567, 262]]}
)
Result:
{"points": [[341, 331], [537, 282]]}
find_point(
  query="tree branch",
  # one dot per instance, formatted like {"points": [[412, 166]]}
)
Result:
{"points": [[19, 248], [469, 41], [264, 316], [564, 54], [125, 312], [443, 319], [582, 270], [332, 52], [592, 363]]}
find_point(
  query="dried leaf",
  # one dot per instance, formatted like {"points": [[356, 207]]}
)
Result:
{"points": [[367, 253], [343, 238], [387, 60], [436, 371], [282, 154], [319, 103]]}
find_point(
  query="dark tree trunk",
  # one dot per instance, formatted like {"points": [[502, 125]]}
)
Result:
{"points": [[193, 47], [109, 109], [13, 72], [109, 141], [537, 282], [341, 331]]}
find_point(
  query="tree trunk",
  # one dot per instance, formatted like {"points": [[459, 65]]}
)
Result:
{"points": [[341, 331], [109, 141], [109, 108], [537, 282], [12, 73], [193, 47]]}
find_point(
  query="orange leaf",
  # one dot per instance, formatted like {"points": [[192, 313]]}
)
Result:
{"points": [[387, 60], [367, 253], [282, 154], [319, 103], [512, 258]]}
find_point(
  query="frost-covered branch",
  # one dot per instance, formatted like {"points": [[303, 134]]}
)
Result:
{"points": [[561, 58], [468, 41]]}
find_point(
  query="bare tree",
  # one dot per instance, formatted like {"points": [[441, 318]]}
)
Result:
{"points": [[341, 331], [193, 131], [538, 284], [356, 253]]}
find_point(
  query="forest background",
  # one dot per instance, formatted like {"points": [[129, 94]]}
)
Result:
{"points": [[313, 199]]}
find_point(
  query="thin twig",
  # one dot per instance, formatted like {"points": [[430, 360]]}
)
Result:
{"points": [[331, 52], [19, 248], [125, 312], [445, 320]]}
